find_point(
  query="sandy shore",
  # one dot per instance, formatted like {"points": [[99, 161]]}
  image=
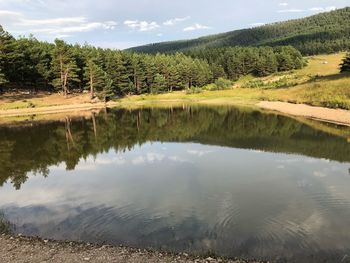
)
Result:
{"points": [[55, 109], [336, 116], [31, 250]]}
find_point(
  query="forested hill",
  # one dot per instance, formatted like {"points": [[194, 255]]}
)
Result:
{"points": [[323, 33]]}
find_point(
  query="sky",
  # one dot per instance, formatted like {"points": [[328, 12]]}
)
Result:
{"points": [[121, 24]]}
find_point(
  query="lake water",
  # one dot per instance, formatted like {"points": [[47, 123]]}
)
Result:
{"points": [[222, 180]]}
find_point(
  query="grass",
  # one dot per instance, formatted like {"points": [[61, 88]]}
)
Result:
{"points": [[318, 84]]}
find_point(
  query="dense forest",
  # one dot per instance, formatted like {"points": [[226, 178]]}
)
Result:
{"points": [[30, 64], [52, 143], [323, 33], [241, 61]]}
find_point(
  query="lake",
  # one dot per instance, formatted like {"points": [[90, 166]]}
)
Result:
{"points": [[227, 181]]}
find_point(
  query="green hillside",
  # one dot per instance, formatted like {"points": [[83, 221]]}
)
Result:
{"points": [[323, 33]]}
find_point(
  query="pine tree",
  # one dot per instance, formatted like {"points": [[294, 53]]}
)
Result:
{"points": [[345, 65], [118, 72], [40, 74], [174, 78], [64, 67], [150, 71], [107, 90], [94, 76], [138, 73], [159, 84], [267, 63]]}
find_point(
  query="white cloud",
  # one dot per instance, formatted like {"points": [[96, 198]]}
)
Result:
{"points": [[115, 44], [141, 26], [323, 9], [84, 27], [60, 36], [152, 157], [330, 8], [291, 11], [319, 174], [56, 22], [138, 160], [316, 9], [283, 4], [9, 17], [110, 161], [54, 26], [198, 152], [149, 158], [196, 27], [178, 159], [313, 9], [257, 24], [174, 21]]}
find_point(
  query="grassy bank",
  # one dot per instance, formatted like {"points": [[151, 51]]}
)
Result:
{"points": [[318, 84]]}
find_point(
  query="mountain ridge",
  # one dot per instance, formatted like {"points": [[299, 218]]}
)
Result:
{"points": [[326, 32]]}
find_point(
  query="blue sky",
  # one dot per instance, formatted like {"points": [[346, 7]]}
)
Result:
{"points": [[125, 23]]}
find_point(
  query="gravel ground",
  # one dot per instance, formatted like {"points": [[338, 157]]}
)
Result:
{"points": [[31, 250]]}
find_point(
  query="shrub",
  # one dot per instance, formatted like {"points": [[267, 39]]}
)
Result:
{"points": [[258, 83], [219, 84], [222, 83]]}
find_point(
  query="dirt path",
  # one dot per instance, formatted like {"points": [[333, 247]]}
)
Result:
{"points": [[337, 116], [32, 250]]}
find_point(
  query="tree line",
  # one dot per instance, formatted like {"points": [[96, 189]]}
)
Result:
{"points": [[234, 62], [29, 63]]}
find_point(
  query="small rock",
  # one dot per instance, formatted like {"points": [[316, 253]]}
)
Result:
{"points": [[46, 241], [185, 254], [209, 259], [86, 259]]}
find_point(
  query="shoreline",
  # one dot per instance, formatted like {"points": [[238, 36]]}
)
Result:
{"points": [[322, 114], [55, 109], [334, 116], [32, 249]]}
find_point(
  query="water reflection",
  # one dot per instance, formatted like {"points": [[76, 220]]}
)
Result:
{"points": [[234, 182]]}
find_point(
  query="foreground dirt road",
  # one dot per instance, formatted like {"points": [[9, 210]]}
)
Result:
{"points": [[337, 116], [32, 250]]}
